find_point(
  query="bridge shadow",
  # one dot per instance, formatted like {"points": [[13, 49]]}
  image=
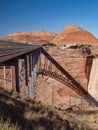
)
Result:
{"points": [[88, 66]]}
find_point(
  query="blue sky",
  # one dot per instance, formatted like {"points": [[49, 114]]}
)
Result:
{"points": [[47, 15]]}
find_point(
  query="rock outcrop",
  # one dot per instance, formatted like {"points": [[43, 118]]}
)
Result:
{"points": [[52, 92], [73, 34], [32, 37], [69, 35]]}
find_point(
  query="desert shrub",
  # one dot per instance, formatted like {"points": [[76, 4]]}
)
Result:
{"points": [[49, 44], [7, 125]]}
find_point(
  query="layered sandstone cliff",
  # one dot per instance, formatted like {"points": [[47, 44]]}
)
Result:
{"points": [[32, 37], [52, 92], [73, 34], [69, 35]]}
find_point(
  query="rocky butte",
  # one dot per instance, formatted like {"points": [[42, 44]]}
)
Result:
{"points": [[74, 34], [50, 91], [70, 34], [32, 37]]}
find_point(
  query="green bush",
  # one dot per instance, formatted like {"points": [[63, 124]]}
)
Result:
{"points": [[49, 44]]}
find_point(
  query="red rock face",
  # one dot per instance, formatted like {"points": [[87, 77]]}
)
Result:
{"points": [[8, 78], [70, 34], [52, 92], [33, 37], [73, 34]]}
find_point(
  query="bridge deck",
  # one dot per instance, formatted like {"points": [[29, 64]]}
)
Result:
{"points": [[9, 50]]}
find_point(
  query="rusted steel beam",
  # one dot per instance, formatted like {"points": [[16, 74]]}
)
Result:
{"points": [[67, 75]]}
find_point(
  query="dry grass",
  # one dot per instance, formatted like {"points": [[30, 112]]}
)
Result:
{"points": [[20, 113], [7, 125]]}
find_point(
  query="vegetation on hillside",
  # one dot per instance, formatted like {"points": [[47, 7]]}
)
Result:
{"points": [[48, 44], [21, 113]]}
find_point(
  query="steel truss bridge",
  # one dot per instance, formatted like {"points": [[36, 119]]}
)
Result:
{"points": [[32, 60]]}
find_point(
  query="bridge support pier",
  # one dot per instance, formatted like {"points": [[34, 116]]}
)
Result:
{"points": [[5, 81], [34, 63], [30, 72], [17, 74], [12, 78], [26, 75]]}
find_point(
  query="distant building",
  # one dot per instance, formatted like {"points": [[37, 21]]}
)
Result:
{"points": [[62, 47], [73, 46]]}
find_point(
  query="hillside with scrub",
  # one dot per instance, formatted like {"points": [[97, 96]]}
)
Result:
{"points": [[20, 113]]}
